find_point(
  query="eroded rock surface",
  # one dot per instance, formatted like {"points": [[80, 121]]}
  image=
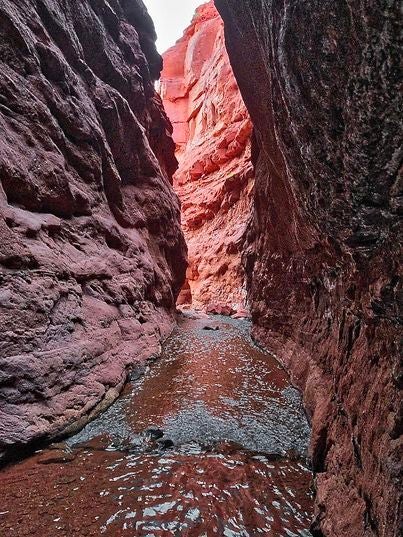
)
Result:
{"points": [[320, 82], [212, 132], [92, 256]]}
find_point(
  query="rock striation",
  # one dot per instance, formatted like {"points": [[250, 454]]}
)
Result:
{"points": [[92, 256], [320, 81], [212, 131]]}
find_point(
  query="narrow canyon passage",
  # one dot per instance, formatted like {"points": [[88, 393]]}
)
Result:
{"points": [[237, 464], [214, 181], [211, 439], [200, 277]]}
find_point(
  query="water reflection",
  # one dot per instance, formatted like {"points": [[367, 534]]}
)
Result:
{"points": [[211, 386], [236, 467]]}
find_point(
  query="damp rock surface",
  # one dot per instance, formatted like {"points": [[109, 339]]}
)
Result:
{"points": [[91, 251], [320, 80], [212, 440]]}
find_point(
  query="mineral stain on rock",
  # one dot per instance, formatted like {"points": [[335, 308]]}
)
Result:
{"points": [[322, 251]]}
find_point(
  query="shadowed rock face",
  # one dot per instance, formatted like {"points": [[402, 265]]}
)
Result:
{"points": [[212, 132], [91, 256], [320, 82]]}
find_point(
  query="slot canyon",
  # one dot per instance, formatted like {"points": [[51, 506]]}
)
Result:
{"points": [[200, 292], [212, 131]]}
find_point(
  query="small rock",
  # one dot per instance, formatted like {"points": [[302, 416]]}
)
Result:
{"points": [[137, 372], [154, 433], [66, 480], [293, 455], [272, 457], [208, 327], [220, 309], [165, 443], [241, 314]]}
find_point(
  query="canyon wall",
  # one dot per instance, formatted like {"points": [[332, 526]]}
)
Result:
{"points": [[320, 80], [212, 132], [92, 256]]}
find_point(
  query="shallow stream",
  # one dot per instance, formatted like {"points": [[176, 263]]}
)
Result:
{"points": [[210, 441]]}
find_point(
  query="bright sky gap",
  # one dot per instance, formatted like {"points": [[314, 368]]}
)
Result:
{"points": [[170, 18]]}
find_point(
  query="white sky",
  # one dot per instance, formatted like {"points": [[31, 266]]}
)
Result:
{"points": [[170, 18]]}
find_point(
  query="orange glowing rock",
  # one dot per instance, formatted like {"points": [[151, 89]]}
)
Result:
{"points": [[212, 131]]}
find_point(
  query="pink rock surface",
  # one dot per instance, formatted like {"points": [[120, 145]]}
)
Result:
{"points": [[214, 181], [92, 256]]}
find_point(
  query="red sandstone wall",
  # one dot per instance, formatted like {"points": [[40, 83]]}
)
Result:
{"points": [[214, 181], [322, 255], [92, 256]]}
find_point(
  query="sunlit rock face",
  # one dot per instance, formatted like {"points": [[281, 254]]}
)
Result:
{"points": [[320, 82], [92, 256], [212, 132]]}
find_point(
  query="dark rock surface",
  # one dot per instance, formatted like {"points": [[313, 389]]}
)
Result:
{"points": [[91, 254], [320, 80]]}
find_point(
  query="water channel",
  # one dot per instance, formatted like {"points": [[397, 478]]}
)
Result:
{"points": [[210, 441]]}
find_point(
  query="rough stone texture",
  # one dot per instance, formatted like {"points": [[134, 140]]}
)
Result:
{"points": [[91, 255], [320, 80], [212, 131]]}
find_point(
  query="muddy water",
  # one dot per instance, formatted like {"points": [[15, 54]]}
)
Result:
{"points": [[211, 441]]}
